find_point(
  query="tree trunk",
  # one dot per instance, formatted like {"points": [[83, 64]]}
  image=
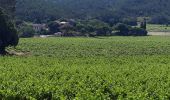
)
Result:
{"points": [[2, 51]]}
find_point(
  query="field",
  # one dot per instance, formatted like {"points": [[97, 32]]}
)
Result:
{"points": [[100, 68], [158, 28]]}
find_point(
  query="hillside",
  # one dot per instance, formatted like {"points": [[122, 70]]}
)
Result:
{"points": [[52, 9]]}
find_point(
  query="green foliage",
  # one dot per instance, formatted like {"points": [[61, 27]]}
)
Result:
{"points": [[126, 30], [143, 24], [122, 29], [160, 19], [130, 21], [8, 6], [158, 28], [44, 32], [93, 27], [26, 31], [8, 33], [135, 31], [110, 11], [53, 27], [88, 68]]}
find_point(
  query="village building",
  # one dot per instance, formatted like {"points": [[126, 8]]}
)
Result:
{"points": [[39, 27]]}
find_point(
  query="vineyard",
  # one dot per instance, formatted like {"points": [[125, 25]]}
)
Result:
{"points": [[100, 68]]}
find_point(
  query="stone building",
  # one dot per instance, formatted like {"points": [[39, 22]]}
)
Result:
{"points": [[39, 27]]}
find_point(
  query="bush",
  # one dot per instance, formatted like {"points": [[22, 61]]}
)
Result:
{"points": [[71, 33], [53, 27], [103, 31], [26, 31], [44, 32], [126, 30], [122, 29], [135, 31]]}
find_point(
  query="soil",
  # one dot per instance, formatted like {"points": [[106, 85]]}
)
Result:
{"points": [[159, 33]]}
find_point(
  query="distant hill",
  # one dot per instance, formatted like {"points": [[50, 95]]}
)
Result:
{"points": [[50, 9]]}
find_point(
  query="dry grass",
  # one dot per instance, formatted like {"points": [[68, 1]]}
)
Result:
{"points": [[17, 53]]}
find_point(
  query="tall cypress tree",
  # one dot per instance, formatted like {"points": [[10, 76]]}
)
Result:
{"points": [[8, 33], [143, 24], [8, 6]]}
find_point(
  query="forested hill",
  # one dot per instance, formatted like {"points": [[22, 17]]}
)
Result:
{"points": [[50, 9], [31, 9]]}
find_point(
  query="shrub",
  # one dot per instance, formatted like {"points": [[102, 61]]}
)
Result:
{"points": [[126, 30], [122, 29], [53, 27], [135, 31], [26, 31]]}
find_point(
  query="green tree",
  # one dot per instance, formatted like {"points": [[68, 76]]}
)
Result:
{"points": [[122, 29], [8, 33], [53, 27], [126, 30], [26, 31], [143, 24], [8, 6]]}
